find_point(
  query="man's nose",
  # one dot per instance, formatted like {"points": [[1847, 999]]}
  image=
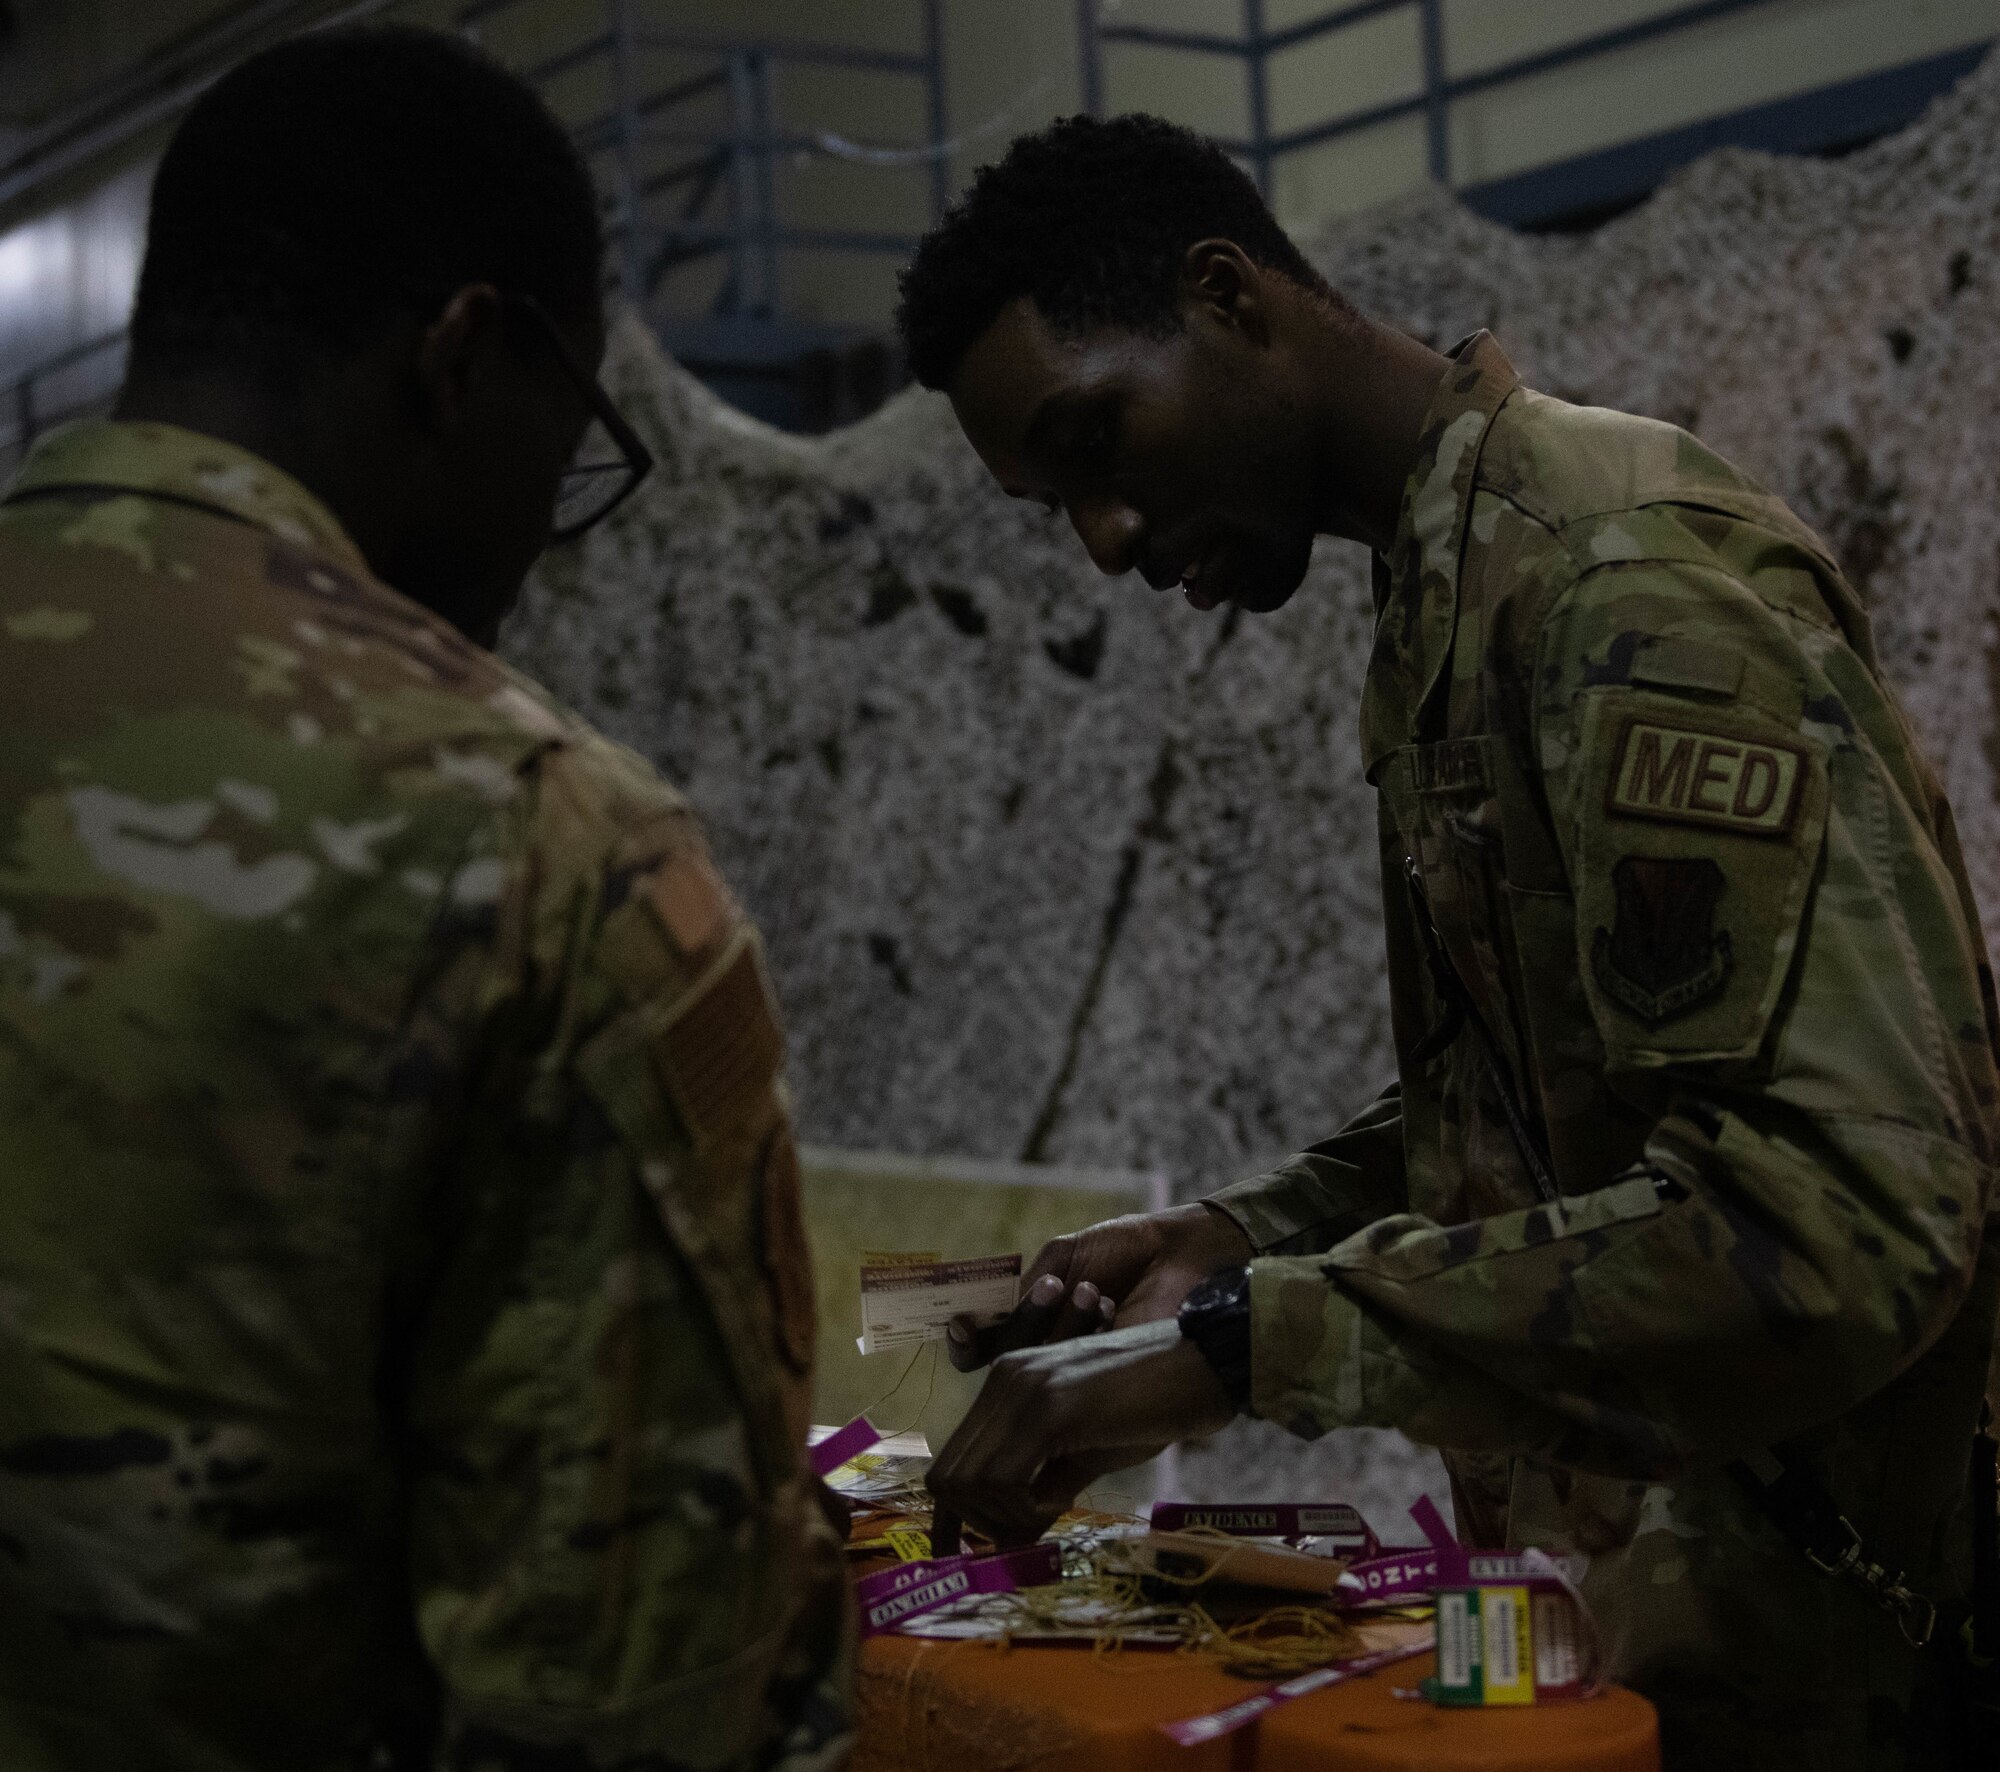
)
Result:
{"points": [[1111, 532]]}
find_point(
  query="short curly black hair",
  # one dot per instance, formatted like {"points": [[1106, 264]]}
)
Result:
{"points": [[340, 178], [1092, 218]]}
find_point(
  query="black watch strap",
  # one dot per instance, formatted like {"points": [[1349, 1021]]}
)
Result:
{"points": [[1215, 1316]]}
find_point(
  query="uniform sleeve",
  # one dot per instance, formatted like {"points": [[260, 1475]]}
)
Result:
{"points": [[617, 1557], [1772, 951], [1329, 1190]]}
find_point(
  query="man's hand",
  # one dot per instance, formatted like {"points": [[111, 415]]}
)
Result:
{"points": [[1129, 1270], [1050, 1419]]}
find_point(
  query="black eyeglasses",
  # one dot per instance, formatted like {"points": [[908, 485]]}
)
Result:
{"points": [[610, 461]]}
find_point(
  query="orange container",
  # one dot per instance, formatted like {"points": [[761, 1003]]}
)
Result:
{"points": [[972, 1707]]}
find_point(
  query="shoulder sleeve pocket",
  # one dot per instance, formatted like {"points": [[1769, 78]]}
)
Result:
{"points": [[1697, 832]]}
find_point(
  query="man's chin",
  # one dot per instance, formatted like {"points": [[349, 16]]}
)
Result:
{"points": [[1265, 585], [1261, 597]]}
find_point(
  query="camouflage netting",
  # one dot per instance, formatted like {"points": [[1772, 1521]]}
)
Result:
{"points": [[1052, 867]]}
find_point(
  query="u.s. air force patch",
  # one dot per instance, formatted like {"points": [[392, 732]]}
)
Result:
{"points": [[1663, 954], [1703, 778]]}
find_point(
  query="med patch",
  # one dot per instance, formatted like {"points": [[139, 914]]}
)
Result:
{"points": [[1682, 776]]}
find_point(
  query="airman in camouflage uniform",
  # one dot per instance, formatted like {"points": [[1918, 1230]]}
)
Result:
{"points": [[1669, 883], [1678, 1230], [404, 1313]]}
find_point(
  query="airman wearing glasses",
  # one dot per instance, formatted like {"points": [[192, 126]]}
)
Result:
{"points": [[405, 1326]]}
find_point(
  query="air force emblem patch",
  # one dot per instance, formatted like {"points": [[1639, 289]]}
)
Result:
{"points": [[1663, 954]]}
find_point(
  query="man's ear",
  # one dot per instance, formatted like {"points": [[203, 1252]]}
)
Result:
{"points": [[454, 353], [1221, 285]]}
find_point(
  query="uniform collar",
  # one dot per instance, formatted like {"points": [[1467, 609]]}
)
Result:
{"points": [[1417, 581], [164, 461]]}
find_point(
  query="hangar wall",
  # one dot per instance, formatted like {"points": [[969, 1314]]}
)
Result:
{"points": [[1051, 867]]}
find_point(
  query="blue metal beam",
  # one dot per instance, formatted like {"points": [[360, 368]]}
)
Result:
{"points": [[796, 239], [1437, 107], [574, 57], [1338, 19], [1504, 73], [1315, 133], [1201, 42], [778, 141], [1829, 117], [832, 55], [1257, 71], [934, 75], [1090, 60], [1678, 18]]}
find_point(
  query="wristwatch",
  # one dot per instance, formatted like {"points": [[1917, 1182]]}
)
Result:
{"points": [[1215, 1316]]}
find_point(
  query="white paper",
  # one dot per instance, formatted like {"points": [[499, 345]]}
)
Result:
{"points": [[905, 1304]]}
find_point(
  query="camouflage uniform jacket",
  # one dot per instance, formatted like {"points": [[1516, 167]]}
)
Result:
{"points": [[1668, 879], [404, 1314]]}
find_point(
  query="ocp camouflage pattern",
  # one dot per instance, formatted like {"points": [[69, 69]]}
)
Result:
{"points": [[401, 1280], [1668, 880]]}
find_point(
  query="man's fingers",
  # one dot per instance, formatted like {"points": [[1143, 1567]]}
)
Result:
{"points": [[971, 1347], [1078, 1314], [1062, 1480]]}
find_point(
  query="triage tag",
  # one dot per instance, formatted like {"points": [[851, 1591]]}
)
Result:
{"points": [[1512, 1632], [906, 1302]]}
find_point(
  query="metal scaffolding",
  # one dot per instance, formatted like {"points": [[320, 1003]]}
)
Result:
{"points": [[686, 189], [1836, 115]]}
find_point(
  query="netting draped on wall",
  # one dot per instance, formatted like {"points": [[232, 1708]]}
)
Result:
{"points": [[1052, 866]]}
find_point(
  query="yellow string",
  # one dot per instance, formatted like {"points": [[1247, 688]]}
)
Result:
{"points": [[1273, 1644], [930, 1348]]}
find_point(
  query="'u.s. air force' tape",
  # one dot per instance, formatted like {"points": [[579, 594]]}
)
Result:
{"points": [[896, 1595]]}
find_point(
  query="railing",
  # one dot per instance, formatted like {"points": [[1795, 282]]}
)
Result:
{"points": [[77, 383], [1262, 147], [669, 178]]}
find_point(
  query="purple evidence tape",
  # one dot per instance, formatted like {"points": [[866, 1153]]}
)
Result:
{"points": [[911, 1589], [1402, 1575], [1431, 1523], [1193, 1731], [837, 1448]]}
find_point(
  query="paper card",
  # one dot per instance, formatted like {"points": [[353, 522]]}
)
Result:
{"points": [[906, 1302], [1192, 1556], [889, 1466]]}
